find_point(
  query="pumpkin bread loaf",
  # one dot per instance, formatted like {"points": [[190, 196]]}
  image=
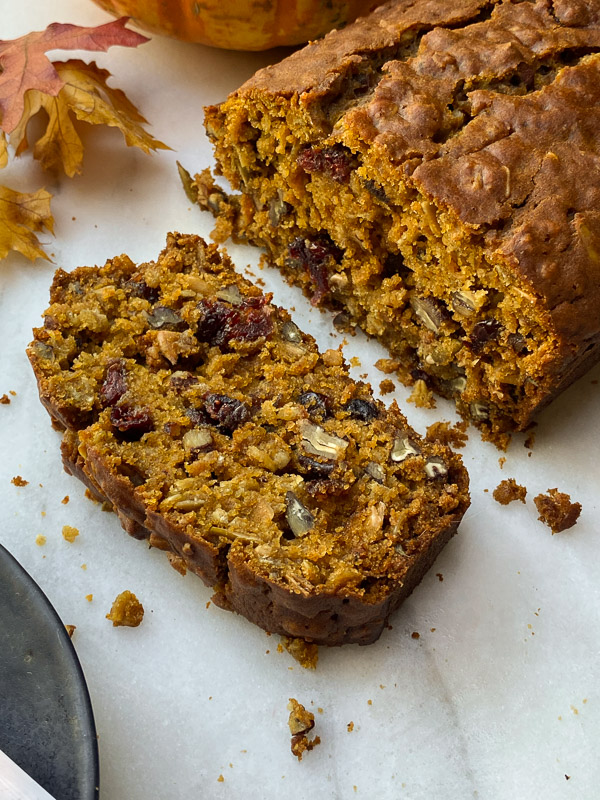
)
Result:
{"points": [[433, 170], [218, 431]]}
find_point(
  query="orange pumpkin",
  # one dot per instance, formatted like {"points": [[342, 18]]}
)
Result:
{"points": [[240, 24]]}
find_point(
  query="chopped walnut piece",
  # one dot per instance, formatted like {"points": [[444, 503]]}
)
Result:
{"points": [[509, 490], [300, 723], [446, 433], [421, 395], [69, 533], [126, 610], [19, 481], [305, 653], [556, 510]]}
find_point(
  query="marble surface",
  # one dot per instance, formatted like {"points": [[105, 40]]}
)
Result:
{"points": [[498, 697]]}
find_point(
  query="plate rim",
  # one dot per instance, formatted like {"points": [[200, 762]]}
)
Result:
{"points": [[87, 721]]}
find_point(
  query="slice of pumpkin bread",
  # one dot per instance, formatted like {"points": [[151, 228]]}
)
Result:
{"points": [[433, 169], [216, 428]]}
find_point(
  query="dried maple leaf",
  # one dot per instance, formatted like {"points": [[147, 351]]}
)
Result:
{"points": [[25, 65], [85, 96], [21, 215]]}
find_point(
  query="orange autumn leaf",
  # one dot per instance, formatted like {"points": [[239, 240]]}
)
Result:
{"points": [[21, 217], [85, 96], [24, 64]]}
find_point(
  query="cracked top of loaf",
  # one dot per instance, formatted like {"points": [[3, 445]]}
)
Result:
{"points": [[492, 111]]}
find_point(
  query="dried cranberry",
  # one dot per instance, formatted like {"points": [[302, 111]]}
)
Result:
{"points": [[182, 380], [362, 409], [314, 255], [315, 403], [115, 383], [483, 332], [220, 323], [131, 420], [314, 468], [227, 412], [197, 416], [333, 162], [141, 289]]}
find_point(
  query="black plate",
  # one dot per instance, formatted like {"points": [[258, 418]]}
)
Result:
{"points": [[46, 720]]}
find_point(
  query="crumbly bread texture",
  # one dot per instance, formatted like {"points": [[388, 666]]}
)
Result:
{"points": [[508, 491], [433, 170], [556, 510], [218, 431], [300, 723]]}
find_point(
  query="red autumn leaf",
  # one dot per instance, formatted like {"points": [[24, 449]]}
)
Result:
{"points": [[25, 65]]}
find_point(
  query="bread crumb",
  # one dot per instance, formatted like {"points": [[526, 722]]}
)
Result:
{"points": [[416, 635], [363, 376], [350, 727], [65, 500], [126, 610], [89, 597], [439, 576], [529, 441], [355, 362], [5, 399], [305, 653], [387, 386], [70, 533], [387, 365], [446, 433], [40, 540], [333, 358], [502, 462], [220, 779], [71, 630], [300, 722], [14, 394], [369, 702], [19, 481], [84, 566], [509, 490], [556, 510], [421, 395]]}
